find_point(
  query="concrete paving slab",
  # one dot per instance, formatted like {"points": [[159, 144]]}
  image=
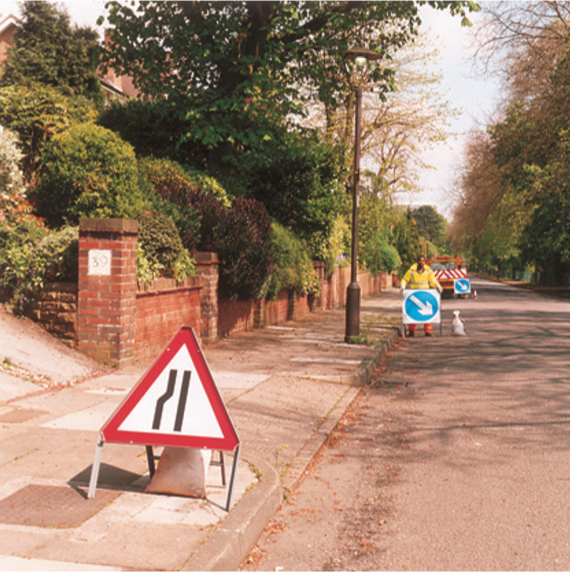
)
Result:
{"points": [[90, 419], [235, 380]]}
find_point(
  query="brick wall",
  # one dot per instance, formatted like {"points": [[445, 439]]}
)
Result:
{"points": [[337, 286], [276, 312], [107, 317], [55, 310], [161, 310], [235, 315], [299, 306], [164, 307]]}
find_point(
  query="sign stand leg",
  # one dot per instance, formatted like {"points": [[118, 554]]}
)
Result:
{"points": [[150, 459], [95, 470], [220, 463], [232, 478]]}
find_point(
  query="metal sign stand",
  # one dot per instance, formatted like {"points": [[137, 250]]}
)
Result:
{"points": [[151, 457], [145, 411], [95, 469]]}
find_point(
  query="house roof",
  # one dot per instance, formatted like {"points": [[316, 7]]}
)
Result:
{"points": [[121, 86], [106, 83], [10, 20]]}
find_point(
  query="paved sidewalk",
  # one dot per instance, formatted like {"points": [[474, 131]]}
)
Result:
{"points": [[285, 389]]}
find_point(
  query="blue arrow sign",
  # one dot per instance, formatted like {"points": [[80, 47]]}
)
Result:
{"points": [[461, 286], [421, 306]]}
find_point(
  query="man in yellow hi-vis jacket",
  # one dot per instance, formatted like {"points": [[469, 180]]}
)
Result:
{"points": [[420, 276]]}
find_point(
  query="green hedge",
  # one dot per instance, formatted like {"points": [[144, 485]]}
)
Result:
{"points": [[88, 171], [379, 256], [293, 267], [30, 256]]}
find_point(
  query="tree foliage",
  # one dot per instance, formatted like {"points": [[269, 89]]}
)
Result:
{"points": [[233, 68], [228, 84], [48, 50], [154, 128], [432, 226], [300, 187], [293, 267], [37, 113], [396, 127], [407, 242], [245, 249], [514, 188], [239, 231]]}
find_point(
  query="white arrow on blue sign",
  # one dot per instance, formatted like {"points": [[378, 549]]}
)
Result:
{"points": [[461, 286], [420, 306]]}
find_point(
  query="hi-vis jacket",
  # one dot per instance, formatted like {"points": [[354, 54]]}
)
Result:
{"points": [[414, 280]]}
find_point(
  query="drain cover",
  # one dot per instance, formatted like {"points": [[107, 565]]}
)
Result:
{"points": [[52, 506]]}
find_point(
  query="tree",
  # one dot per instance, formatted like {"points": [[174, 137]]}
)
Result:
{"points": [[395, 127], [407, 242], [153, 128], [48, 50], [518, 41], [515, 190], [37, 113], [234, 68], [431, 225], [300, 187]]}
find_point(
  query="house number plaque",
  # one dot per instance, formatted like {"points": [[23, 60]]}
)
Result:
{"points": [[99, 262]]}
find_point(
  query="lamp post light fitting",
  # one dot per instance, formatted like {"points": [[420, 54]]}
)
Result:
{"points": [[360, 56]]}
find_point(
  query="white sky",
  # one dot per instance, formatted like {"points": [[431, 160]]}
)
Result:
{"points": [[473, 97]]}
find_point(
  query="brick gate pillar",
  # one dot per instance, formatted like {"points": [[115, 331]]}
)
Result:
{"points": [[107, 289], [207, 267]]}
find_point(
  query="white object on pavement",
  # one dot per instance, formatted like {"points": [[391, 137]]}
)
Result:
{"points": [[457, 325]]}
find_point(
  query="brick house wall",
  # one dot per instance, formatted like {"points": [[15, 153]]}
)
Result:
{"points": [[7, 28]]}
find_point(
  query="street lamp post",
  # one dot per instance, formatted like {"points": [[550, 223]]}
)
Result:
{"points": [[360, 56]]}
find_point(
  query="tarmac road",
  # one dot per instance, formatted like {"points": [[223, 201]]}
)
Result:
{"points": [[454, 458]]}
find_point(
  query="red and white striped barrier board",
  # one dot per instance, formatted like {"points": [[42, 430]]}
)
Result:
{"points": [[450, 273]]}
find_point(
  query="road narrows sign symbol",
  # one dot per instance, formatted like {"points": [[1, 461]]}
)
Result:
{"points": [[176, 403], [420, 306]]}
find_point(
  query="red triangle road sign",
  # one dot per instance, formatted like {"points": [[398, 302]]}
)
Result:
{"points": [[176, 403]]}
